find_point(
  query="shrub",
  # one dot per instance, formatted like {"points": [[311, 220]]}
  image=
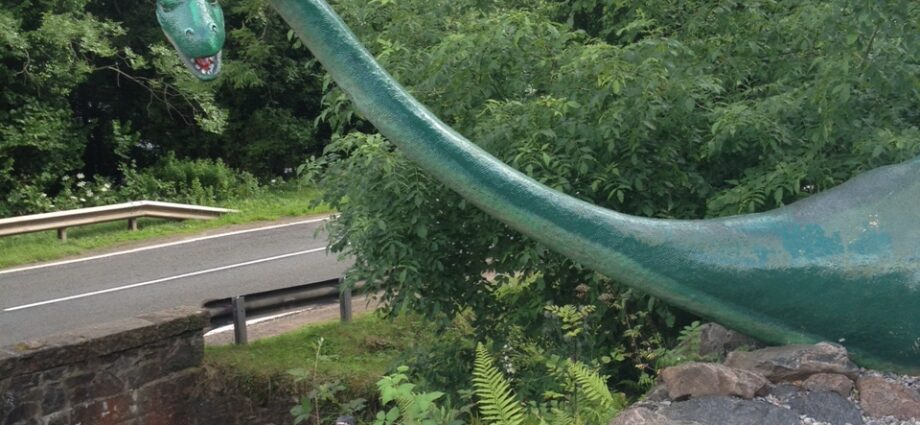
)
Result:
{"points": [[660, 109], [200, 181]]}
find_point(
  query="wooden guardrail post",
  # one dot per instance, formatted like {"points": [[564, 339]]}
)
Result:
{"points": [[62, 234], [132, 224]]}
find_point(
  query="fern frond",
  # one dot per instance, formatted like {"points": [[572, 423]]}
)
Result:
{"points": [[593, 386], [497, 403], [561, 417]]}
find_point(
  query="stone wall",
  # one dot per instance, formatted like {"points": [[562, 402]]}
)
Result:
{"points": [[143, 371]]}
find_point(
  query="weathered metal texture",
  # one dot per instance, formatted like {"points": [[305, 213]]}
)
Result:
{"points": [[196, 29], [841, 266]]}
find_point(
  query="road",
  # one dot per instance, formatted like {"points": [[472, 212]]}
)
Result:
{"points": [[52, 298]]}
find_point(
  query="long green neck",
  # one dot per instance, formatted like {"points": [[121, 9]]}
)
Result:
{"points": [[498, 189], [740, 271]]}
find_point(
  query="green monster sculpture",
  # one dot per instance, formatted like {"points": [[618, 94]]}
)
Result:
{"points": [[196, 29], [840, 266]]}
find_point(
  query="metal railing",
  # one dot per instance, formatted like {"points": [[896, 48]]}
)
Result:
{"points": [[130, 211], [234, 310]]}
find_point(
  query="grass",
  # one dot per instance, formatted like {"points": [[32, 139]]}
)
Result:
{"points": [[356, 354], [44, 246]]}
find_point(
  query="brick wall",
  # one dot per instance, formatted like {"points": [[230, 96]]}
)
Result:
{"points": [[140, 371]]}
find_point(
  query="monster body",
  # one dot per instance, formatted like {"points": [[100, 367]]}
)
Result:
{"points": [[841, 266]]}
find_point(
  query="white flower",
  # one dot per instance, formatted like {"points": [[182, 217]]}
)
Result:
{"points": [[44, 195], [104, 189], [80, 175], [89, 193], [107, 186], [82, 199], [81, 184], [65, 178]]}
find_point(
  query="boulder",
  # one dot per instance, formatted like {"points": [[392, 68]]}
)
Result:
{"points": [[721, 410], [880, 397], [794, 362], [827, 407], [643, 416], [702, 379], [829, 382], [717, 341], [658, 393], [784, 391]]}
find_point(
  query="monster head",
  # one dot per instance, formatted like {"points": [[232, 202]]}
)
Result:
{"points": [[196, 29]]}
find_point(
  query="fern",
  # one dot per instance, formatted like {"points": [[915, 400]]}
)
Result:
{"points": [[497, 402], [594, 387]]}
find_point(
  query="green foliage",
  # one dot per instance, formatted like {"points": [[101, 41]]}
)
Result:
{"points": [[497, 403], [572, 317], [334, 378], [686, 350], [93, 87], [314, 394], [587, 400], [202, 181], [411, 407], [661, 109]]}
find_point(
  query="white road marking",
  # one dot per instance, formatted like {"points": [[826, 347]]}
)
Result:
{"points": [[228, 328], [165, 245], [165, 279]]}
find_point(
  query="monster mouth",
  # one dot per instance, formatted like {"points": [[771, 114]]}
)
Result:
{"points": [[205, 67]]}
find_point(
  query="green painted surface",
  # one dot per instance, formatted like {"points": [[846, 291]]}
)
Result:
{"points": [[841, 266], [196, 29]]}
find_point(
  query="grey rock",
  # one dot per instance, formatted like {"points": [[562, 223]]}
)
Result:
{"points": [[794, 362], [829, 382], [784, 391], [716, 340], [721, 410], [644, 416], [879, 397], [641, 416], [826, 407], [657, 393], [702, 379]]}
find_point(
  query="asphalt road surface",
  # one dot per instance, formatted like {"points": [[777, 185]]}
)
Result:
{"points": [[51, 298]]}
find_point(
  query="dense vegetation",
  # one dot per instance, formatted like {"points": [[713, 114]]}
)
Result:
{"points": [[96, 107], [667, 109]]}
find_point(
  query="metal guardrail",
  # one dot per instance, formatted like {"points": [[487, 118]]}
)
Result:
{"points": [[130, 211], [234, 310]]}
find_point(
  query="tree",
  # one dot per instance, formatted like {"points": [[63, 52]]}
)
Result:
{"points": [[93, 87], [664, 109]]}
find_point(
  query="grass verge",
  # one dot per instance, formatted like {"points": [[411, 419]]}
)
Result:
{"points": [[44, 246], [353, 355]]}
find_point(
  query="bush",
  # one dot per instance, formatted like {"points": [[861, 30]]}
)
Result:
{"points": [[201, 181], [660, 109]]}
